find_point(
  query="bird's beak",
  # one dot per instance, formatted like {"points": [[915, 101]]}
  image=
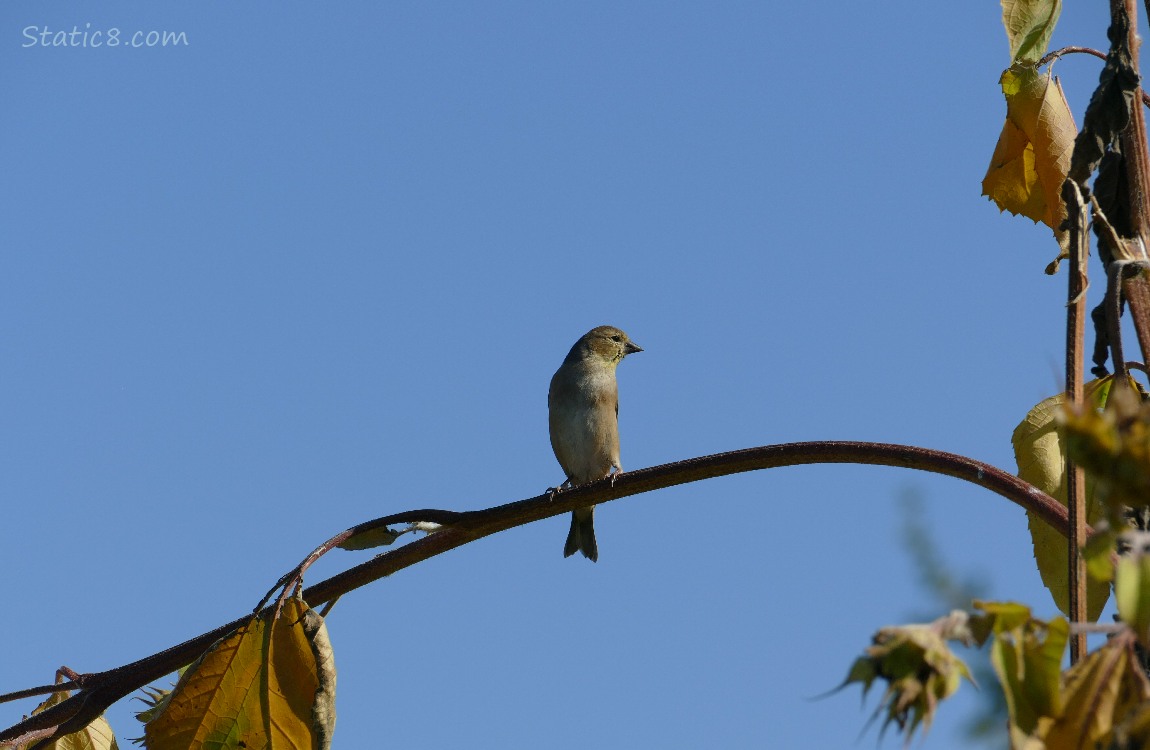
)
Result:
{"points": [[631, 348]]}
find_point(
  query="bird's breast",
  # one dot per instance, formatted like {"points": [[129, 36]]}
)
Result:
{"points": [[584, 426]]}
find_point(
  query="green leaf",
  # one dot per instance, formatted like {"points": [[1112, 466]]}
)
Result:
{"points": [[1099, 552], [1039, 452], [1029, 25], [1132, 593], [1027, 655]]}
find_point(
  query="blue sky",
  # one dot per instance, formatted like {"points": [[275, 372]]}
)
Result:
{"points": [[318, 265]]}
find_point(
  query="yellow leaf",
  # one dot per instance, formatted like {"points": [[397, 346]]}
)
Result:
{"points": [[96, 736], [1134, 731], [1041, 462], [1098, 692], [1032, 156], [266, 686]]}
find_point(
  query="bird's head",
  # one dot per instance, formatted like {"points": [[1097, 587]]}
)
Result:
{"points": [[605, 343]]}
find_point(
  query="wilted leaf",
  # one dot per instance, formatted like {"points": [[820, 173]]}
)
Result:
{"points": [[918, 666], [155, 699], [1053, 711], [323, 713], [96, 736], [1033, 153], [380, 537], [1110, 108], [1029, 24], [1038, 452], [1097, 693], [1134, 730], [1113, 445], [1067, 711], [267, 685]]}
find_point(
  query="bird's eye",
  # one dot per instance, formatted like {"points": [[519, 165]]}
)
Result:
{"points": [[616, 338]]}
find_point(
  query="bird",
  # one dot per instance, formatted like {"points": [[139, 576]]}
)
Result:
{"points": [[583, 417]]}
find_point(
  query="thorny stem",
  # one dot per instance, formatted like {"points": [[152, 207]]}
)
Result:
{"points": [[1137, 155], [1075, 343], [102, 689]]}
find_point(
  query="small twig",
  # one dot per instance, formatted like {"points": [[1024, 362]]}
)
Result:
{"points": [[1114, 318], [1116, 273], [1106, 229], [292, 581], [327, 608], [38, 690], [26, 740], [1051, 56], [1098, 627], [66, 672]]}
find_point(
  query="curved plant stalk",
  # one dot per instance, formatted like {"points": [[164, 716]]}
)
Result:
{"points": [[99, 690]]}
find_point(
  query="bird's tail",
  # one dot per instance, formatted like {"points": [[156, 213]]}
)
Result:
{"points": [[581, 538]]}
